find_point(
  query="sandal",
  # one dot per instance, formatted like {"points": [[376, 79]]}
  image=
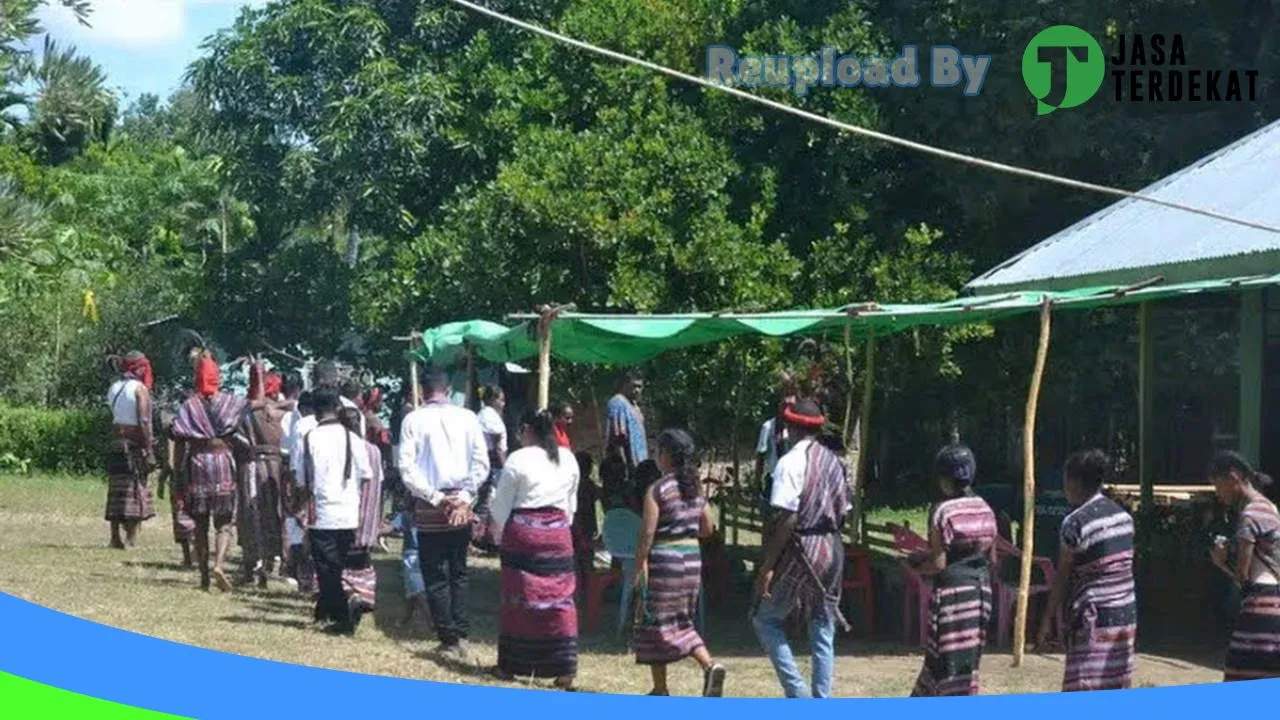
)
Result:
{"points": [[220, 579]]}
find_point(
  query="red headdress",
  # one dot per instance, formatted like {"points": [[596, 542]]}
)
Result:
{"points": [[796, 415], [137, 365], [273, 385], [208, 378]]}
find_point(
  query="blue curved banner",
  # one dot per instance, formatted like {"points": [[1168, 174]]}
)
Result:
{"points": [[60, 651]]}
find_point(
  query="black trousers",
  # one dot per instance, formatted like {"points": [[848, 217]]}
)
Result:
{"points": [[331, 550], [443, 556]]}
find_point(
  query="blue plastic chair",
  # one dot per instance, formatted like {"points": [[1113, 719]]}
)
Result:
{"points": [[621, 534]]}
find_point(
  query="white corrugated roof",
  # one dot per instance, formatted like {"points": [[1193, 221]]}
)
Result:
{"points": [[1241, 180]]}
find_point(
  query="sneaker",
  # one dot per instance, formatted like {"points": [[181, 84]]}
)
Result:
{"points": [[713, 681], [454, 652], [448, 651]]}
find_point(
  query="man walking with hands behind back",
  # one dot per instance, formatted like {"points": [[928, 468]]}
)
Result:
{"points": [[443, 461]]}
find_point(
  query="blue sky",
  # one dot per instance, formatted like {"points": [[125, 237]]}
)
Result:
{"points": [[144, 45]]}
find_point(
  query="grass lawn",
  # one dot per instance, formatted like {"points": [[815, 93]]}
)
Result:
{"points": [[53, 551]]}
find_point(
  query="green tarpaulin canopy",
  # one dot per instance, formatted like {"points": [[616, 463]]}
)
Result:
{"points": [[629, 339]]}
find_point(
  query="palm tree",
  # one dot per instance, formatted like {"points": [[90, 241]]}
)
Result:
{"points": [[72, 104], [18, 24]]}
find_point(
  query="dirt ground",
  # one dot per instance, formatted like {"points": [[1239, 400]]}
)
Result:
{"points": [[53, 552]]}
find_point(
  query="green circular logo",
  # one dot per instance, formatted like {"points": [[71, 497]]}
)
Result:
{"points": [[1063, 67]]}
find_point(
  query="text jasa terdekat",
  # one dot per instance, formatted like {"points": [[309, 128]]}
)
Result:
{"points": [[1153, 68]]}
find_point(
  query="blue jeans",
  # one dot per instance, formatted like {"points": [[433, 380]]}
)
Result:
{"points": [[769, 622]]}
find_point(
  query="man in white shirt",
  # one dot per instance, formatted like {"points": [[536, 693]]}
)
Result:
{"points": [[331, 463], [774, 442], [293, 387], [802, 568], [443, 461]]}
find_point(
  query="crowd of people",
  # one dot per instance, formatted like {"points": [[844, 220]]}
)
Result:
{"points": [[302, 478]]}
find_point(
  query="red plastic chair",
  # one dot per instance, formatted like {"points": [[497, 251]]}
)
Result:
{"points": [[598, 583], [918, 587], [1007, 595], [858, 578]]}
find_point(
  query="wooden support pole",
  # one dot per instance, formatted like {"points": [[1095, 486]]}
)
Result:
{"points": [[1253, 342], [469, 349], [863, 434], [544, 361], [1146, 406], [416, 390], [1029, 486], [848, 383], [547, 314]]}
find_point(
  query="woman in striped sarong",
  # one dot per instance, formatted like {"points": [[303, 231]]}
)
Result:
{"points": [[359, 578], [669, 568], [962, 535], [1253, 652], [1096, 563], [531, 514]]}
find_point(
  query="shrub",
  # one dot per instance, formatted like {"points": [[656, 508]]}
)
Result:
{"points": [[67, 441]]}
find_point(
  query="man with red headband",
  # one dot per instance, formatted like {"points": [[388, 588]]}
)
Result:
{"points": [[204, 428], [132, 457], [804, 556]]}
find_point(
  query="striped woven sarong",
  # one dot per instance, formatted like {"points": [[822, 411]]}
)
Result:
{"points": [[128, 494], [1254, 650], [538, 620], [1101, 638], [960, 604], [184, 526], [209, 486], [959, 617], [360, 580], [664, 629]]}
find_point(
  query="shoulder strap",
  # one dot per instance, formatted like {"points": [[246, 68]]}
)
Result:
{"points": [[346, 463], [124, 385], [308, 465]]}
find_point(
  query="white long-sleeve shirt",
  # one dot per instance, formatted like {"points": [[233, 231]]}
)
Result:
{"points": [[530, 480], [495, 429], [442, 449]]}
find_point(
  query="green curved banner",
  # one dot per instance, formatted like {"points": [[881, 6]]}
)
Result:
{"points": [[23, 698]]}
